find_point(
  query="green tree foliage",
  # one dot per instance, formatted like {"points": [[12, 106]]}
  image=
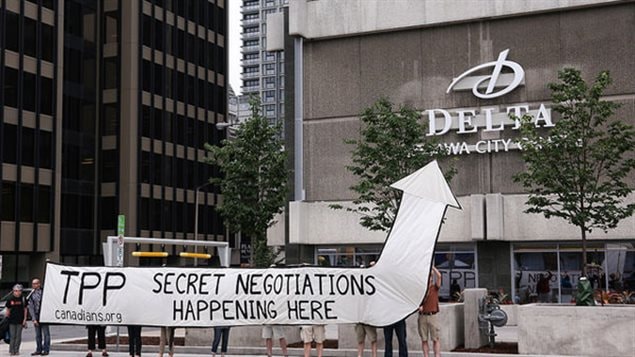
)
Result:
{"points": [[253, 182], [393, 144], [578, 170]]}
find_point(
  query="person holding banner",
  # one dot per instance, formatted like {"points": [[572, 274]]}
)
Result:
{"points": [[269, 332], [361, 331], [220, 332], [312, 333], [16, 313], [428, 324], [167, 337], [134, 340], [100, 330]]}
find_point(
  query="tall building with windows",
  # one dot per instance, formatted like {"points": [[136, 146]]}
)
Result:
{"points": [[263, 71], [106, 107]]}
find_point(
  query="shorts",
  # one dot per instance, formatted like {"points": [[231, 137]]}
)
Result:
{"points": [[428, 325], [363, 330], [312, 333], [272, 331]]}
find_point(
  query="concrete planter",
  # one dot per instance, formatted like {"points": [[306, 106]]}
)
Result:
{"points": [[545, 329], [512, 314]]}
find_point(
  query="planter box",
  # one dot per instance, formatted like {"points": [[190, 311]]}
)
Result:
{"points": [[545, 329]]}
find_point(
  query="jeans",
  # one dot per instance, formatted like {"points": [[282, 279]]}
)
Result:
{"points": [[42, 338], [167, 336], [101, 337], [16, 338], [218, 333], [400, 330], [134, 340]]}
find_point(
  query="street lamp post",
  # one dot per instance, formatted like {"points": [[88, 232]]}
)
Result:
{"points": [[196, 217]]}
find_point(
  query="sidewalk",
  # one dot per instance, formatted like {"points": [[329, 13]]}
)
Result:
{"points": [[58, 348]]}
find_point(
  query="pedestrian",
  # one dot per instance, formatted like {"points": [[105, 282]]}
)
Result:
{"points": [[220, 333], [543, 288], [428, 323], [361, 332], [134, 340], [167, 337], [42, 334], [312, 333], [455, 290], [399, 328], [269, 332], [16, 312], [100, 331]]}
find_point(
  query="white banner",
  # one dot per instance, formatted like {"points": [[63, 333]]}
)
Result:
{"points": [[379, 295]]}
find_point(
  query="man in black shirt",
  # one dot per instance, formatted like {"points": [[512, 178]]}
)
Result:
{"points": [[16, 313]]}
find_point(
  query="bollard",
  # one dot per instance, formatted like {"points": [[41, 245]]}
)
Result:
{"points": [[474, 337]]}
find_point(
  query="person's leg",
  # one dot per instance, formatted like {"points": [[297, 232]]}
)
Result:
{"points": [[388, 340], [307, 349], [101, 338], [437, 348], [171, 332], [91, 337], [360, 336], [46, 338], [400, 331], [425, 347], [13, 331], [360, 349], [131, 340], [138, 340], [269, 346], [18, 338], [162, 340], [225, 340], [319, 347], [38, 338], [283, 346], [373, 348], [216, 340]]}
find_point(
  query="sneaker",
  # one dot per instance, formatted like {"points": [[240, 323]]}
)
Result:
{"points": [[104, 354], [45, 353], [36, 353]]}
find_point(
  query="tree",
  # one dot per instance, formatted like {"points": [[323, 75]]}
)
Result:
{"points": [[393, 144], [577, 171], [253, 182]]}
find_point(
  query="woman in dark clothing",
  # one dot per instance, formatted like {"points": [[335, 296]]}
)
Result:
{"points": [[134, 340], [101, 339], [220, 333]]}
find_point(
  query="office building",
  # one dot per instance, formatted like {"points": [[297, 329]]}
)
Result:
{"points": [[106, 107], [410, 52], [262, 71]]}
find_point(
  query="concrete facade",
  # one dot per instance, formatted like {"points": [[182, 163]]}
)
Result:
{"points": [[590, 331], [410, 55]]}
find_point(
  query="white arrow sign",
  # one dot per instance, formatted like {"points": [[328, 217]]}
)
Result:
{"points": [[380, 295]]}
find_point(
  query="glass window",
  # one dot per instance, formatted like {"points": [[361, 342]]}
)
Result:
{"points": [[158, 35], [48, 42], [9, 143], [8, 201], [49, 4], [146, 75], [110, 72], [111, 122], [46, 149], [11, 87], [109, 162], [110, 27], [28, 146], [12, 22], [44, 204], [46, 96], [28, 91], [26, 202], [147, 30], [108, 212], [30, 30]]}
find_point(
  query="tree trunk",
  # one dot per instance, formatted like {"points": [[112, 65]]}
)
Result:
{"points": [[584, 262]]}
